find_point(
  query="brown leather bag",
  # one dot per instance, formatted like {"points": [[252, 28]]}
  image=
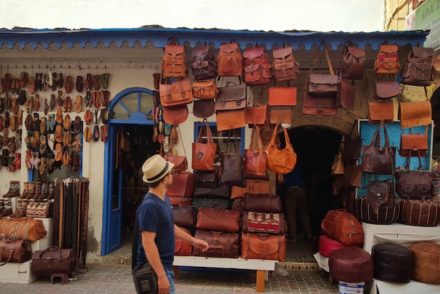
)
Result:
{"points": [[411, 184], [425, 213], [179, 161], [352, 176], [182, 186], [255, 158], [263, 246], [206, 179], [222, 191], [320, 105], [238, 192], [418, 71], [379, 193], [205, 90], [221, 244], [387, 60], [257, 67], [388, 89], [23, 228], [414, 144], [377, 159], [204, 65], [426, 262], [352, 146], [280, 161], [229, 60], [256, 115], [203, 154], [322, 84], [230, 119], [231, 97], [347, 95], [280, 115], [178, 93], [260, 222], [255, 186], [414, 114], [343, 227], [218, 219], [262, 203], [232, 164], [14, 251], [175, 115], [282, 96], [183, 215], [182, 247], [353, 63], [338, 163], [52, 260], [180, 201], [285, 68], [203, 108], [380, 111], [173, 61]]}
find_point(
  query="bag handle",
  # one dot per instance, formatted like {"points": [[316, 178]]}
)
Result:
{"points": [[318, 53], [208, 132], [408, 161], [11, 253], [256, 130]]}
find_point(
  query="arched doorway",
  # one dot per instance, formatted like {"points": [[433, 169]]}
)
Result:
{"points": [[130, 126]]}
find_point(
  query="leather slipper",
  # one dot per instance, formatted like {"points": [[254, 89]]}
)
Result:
{"points": [[89, 81], [78, 103], [7, 119], [31, 85], [12, 146], [105, 98], [20, 117], [35, 139], [58, 133], [13, 124], [14, 105], [104, 116], [53, 102], [2, 105], [88, 117], [42, 168], [1, 124], [36, 122], [50, 125], [59, 116], [88, 99], [43, 125], [17, 161], [96, 133], [38, 81], [22, 98], [46, 107], [68, 85], [77, 125], [67, 104], [58, 152], [67, 123], [28, 122], [104, 133], [60, 80], [88, 134], [76, 145], [60, 99], [54, 81], [50, 161], [24, 78], [79, 84], [105, 80], [66, 139], [11, 164], [96, 82], [37, 103]]}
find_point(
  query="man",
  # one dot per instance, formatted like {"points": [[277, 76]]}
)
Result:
{"points": [[156, 227]]}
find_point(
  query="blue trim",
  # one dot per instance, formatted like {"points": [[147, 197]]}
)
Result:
{"points": [[122, 104], [139, 102]]}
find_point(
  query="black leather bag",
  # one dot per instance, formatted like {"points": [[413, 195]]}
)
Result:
{"points": [[210, 203], [222, 191], [206, 179], [414, 184], [232, 164]]}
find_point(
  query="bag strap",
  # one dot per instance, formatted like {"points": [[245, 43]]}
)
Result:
{"points": [[375, 139], [11, 253], [208, 132], [318, 53], [256, 130]]}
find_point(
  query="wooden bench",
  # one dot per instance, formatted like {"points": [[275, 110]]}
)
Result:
{"points": [[261, 266]]}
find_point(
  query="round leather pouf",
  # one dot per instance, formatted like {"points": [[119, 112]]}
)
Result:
{"points": [[328, 245], [392, 262], [426, 262], [351, 264]]}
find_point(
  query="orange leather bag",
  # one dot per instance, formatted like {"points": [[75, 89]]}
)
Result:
{"points": [[182, 247], [230, 119], [257, 67], [255, 158], [280, 161], [203, 154], [381, 111], [22, 229], [343, 227], [173, 62], [178, 93], [280, 115], [414, 144], [285, 68], [387, 60], [256, 115], [229, 60], [414, 114], [175, 115], [205, 90], [282, 96], [263, 246]]}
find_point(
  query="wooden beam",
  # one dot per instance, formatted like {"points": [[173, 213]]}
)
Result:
{"points": [[261, 281]]}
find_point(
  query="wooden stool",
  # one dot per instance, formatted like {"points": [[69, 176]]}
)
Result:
{"points": [[63, 276]]}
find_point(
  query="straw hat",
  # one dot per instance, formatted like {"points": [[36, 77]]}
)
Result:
{"points": [[156, 168]]}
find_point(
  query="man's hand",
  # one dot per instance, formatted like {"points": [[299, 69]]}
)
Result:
{"points": [[201, 244], [163, 284]]}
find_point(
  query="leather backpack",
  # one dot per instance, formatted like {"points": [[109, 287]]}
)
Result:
{"points": [[343, 227], [280, 161], [285, 68], [229, 60], [418, 70], [204, 65], [173, 61], [353, 63], [257, 67], [387, 60], [377, 159]]}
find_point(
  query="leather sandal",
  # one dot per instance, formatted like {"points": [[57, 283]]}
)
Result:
{"points": [[104, 116], [67, 104], [31, 85], [53, 102], [28, 159], [67, 123], [79, 84], [68, 85], [38, 81], [78, 103], [17, 161], [106, 81], [37, 103], [46, 107], [66, 156], [36, 122], [22, 97], [12, 146], [96, 116], [89, 81], [96, 98], [50, 160], [54, 81], [88, 134], [66, 139], [2, 105], [96, 133], [35, 139], [43, 125], [76, 161], [58, 133], [105, 98], [24, 78], [1, 124], [60, 80], [96, 82], [88, 99], [60, 99], [28, 122], [50, 125], [59, 116], [58, 152], [76, 145], [77, 125], [42, 168], [14, 105], [104, 133], [13, 123], [88, 117], [7, 120], [20, 117]]}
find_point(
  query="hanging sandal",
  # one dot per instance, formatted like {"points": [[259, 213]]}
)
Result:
{"points": [[104, 133], [88, 134], [96, 133], [46, 107], [79, 84], [68, 104], [60, 99], [37, 103], [68, 85], [88, 117], [88, 99], [58, 133], [78, 103]]}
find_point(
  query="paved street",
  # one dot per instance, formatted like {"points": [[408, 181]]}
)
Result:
{"points": [[105, 278]]}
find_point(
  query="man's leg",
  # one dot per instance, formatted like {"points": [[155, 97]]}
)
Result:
{"points": [[304, 212], [170, 275], [290, 205]]}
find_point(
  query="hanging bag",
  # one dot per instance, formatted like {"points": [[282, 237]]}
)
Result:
{"points": [[173, 61], [418, 70], [352, 146], [387, 60], [229, 60], [232, 163], [203, 154], [414, 144], [280, 161], [414, 114], [204, 65], [257, 67], [323, 84], [255, 158], [353, 62], [338, 163], [380, 111], [377, 159], [178, 93], [285, 68]]}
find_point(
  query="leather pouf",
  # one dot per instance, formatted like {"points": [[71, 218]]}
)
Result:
{"points": [[328, 245], [387, 214], [427, 262], [425, 213], [392, 262], [351, 264]]}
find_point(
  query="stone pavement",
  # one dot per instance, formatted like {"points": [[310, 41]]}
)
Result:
{"points": [[112, 279]]}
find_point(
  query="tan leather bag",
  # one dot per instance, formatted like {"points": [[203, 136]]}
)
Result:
{"points": [[414, 114], [255, 158], [343, 227], [229, 60], [282, 96], [178, 93], [280, 115], [280, 161], [255, 186], [285, 68], [257, 67], [23, 228], [256, 115], [426, 262], [380, 111], [175, 115], [205, 90], [173, 62], [263, 246], [230, 119], [414, 144], [209, 219]]}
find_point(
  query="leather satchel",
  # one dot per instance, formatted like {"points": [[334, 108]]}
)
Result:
{"points": [[218, 219], [323, 84], [182, 247], [257, 67], [229, 60], [343, 227], [411, 184], [173, 61], [260, 222], [231, 97], [414, 144], [182, 186], [426, 262], [262, 203], [418, 70], [280, 161], [381, 111], [222, 191], [256, 115], [414, 114], [280, 115], [320, 105], [175, 115], [388, 89], [425, 213], [263, 246], [282, 96], [377, 159], [203, 154], [347, 95], [39, 209], [379, 193], [183, 216], [205, 90], [230, 119], [206, 179], [22, 229], [204, 65], [221, 244], [178, 93], [52, 260], [387, 60], [14, 251], [353, 63], [285, 68], [255, 158], [203, 108]]}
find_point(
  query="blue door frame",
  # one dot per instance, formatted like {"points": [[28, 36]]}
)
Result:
{"points": [[112, 218]]}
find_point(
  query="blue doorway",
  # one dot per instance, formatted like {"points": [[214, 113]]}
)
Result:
{"points": [[130, 115]]}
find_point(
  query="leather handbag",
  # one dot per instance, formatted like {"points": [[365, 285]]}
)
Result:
{"points": [[380, 193], [348, 93], [203, 154], [411, 184], [262, 203], [230, 120], [388, 89], [257, 67], [338, 163], [221, 244], [256, 115], [426, 262], [206, 179], [387, 60], [392, 262], [414, 114], [180, 201], [320, 105], [282, 96], [352, 146], [203, 108], [173, 61], [222, 191], [229, 60], [343, 227], [175, 115], [256, 186], [178, 93], [260, 222], [385, 215], [255, 158], [351, 265], [14, 251], [425, 213], [211, 203], [179, 161], [353, 63], [280, 161], [22, 229], [322, 84], [414, 144], [205, 90], [232, 165], [182, 247], [52, 260], [380, 111], [285, 68], [352, 176], [328, 245], [204, 65], [183, 216], [280, 115], [377, 159], [231, 97], [39, 209], [182, 186], [418, 70], [218, 219], [263, 246], [238, 192]]}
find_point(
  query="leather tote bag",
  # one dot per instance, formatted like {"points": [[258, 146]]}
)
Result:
{"points": [[285, 68], [280, 161], [232, 163], [353, 62], [414, 184], [203, 154], [218, 219], [263, 246], [377, 159], [255, 158]]}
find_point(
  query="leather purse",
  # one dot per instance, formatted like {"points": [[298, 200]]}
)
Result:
{"points": [[414, 114], [338, 163], [173, 61], [218, 219], [388, 89], [14, 251], [204, 65], [182, 247], [222, 191], [377, 159], [182, 186], [203, 154], [379, 193], [229, 60], [347, 95], [22, 229], [285, 68], [353, 63], [175, 115], [257, 67], [203, 108], [179, 161], [205, 90], [282, 96], [211, 203], [320, 105], [183, 216], [178, 93], [260, 222], [280, 115], [256, 115], [232, 165], [262, 203], [221, 244], [387, 60], [52, 260], [255, 186], [418, 70], [411, 184], [38, 209], [206, 179], [343, 227], [255, 158], [263, 246], [424, 213], [414, 144], [231, 119], [322, 84], [231, 97], [280, 161], [380, 111], [352, 146], [426, 262]]}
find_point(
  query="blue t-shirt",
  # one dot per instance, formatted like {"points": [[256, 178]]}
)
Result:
{"points": [[156, 215]]}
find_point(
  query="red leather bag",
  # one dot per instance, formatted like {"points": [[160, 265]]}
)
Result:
{"points": [[221, 244], [343, 227], [183, 215], [280, 161], [257, 67], [285, 68], [255, 158], [328, 245], [14, 251], [263, 246], [229, 60], [203, 154], [218, 219], [260, 222], [173, 61], [387, 60], [282, 96], [182, 247], [182, 186], [353, 63], [178, 93]]}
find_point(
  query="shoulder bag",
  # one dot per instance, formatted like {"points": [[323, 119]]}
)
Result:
{"points": [[377, 159], [353, 62], [255, 158], [203, 154], [218, 219], [414, 144], [178, 93], [380, 111], [280, 161], [323, 84], [417, 113]]}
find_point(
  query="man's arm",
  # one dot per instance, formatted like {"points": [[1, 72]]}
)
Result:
{"points": [[152, 254], [181, 234]]}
